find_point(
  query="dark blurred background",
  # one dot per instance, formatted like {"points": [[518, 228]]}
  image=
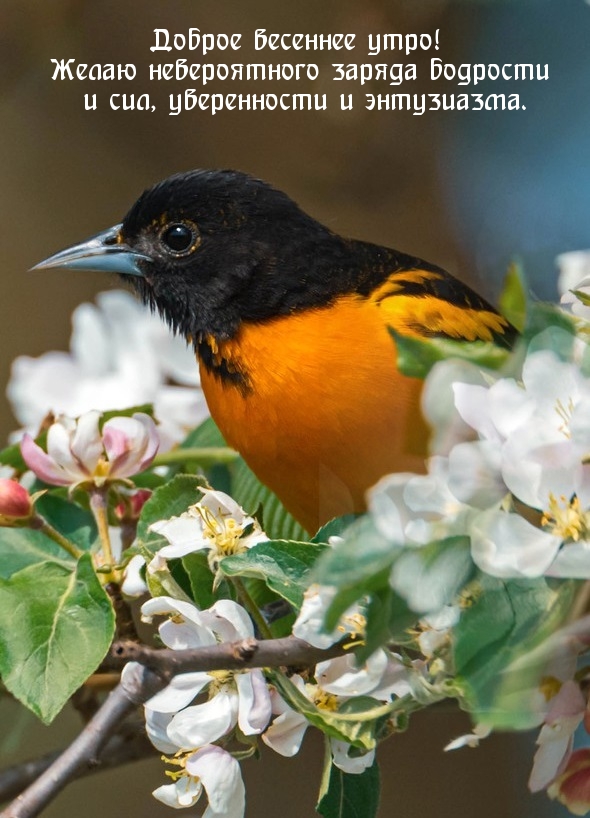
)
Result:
{"points": [[466, 190]]}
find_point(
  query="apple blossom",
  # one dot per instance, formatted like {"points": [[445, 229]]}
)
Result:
{"points": [[79, 452], [209, 768], [216, 524], [235, 698]]}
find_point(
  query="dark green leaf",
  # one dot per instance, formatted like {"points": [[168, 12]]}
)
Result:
{"points": [[11, 456], [496, 646], [349, 796], [334, 528], [21, 547], [284, 566], [207, 435], [55, 627], [75, 523]]}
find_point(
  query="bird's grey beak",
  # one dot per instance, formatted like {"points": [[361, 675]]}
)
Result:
{"points": [[104, 252]]}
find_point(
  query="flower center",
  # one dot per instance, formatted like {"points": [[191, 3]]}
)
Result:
{"points": [[223, 533], [322, 699], [102, 467], [221, 679], [566, 518], [178, 760], [354, 624]]}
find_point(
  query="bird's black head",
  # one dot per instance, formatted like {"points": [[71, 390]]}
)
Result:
{"points": [[218, 248], [212, 249]]}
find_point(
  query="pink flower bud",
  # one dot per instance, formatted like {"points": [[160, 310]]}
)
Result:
{"points": [[130, 507], [15, 500], [572, 787]]}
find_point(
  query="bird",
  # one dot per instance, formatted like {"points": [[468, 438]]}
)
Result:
{"points": [[291, 326]]}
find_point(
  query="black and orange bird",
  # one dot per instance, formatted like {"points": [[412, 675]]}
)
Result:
{"points": [[289, 322]]}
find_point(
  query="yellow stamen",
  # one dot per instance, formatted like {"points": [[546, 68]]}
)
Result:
{"points": [[566, 518], [550, 687]]}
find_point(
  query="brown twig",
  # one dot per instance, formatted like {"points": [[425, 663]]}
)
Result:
{"points": [[131, 744], [150, 671], [123, 615], [138, 685], [288, 651]]}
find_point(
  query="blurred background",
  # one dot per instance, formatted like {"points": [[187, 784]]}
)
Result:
{"points": [[467, 190]]}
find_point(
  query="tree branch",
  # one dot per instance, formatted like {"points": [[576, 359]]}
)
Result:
{"points": [[288, 651], [147, 670], [131, 744], [136, 687]]}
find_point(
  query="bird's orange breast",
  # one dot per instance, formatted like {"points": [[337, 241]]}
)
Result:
{"points": [[326, 412]]}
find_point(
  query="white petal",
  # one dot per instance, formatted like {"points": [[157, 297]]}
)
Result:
{"points": [[59, 450], [353, 765], [506, 545], [179, 693], [220, 774], [473, 404], [86, 443], [205, 723], [573, 562], [156, 725], [438, 403], [254, 710], [222, 505], [285, 734], [184, 533], [342, 677], [469, 739], [185, 635], [388, 507], [133, 583], [229, 621], [183, 793], [475, 475]]}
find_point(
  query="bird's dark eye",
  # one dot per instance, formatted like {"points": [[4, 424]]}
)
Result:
{"points": [[180, 238]]}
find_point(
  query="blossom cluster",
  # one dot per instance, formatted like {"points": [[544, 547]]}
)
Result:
{"points": [[199, 713], [503, 503]]}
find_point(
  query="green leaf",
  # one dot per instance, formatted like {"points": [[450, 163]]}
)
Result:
{"points": [[495, 639], [283, 565], [541, 316], [513, 298], [356, 567], [11, 456], [55, 627], [207, 435], [167, 501], [75, 523], [417, 356], [249, 492], [356, 725], [22, 547], [334, 528], [201, 579], [349, 796], [433, 575]]}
